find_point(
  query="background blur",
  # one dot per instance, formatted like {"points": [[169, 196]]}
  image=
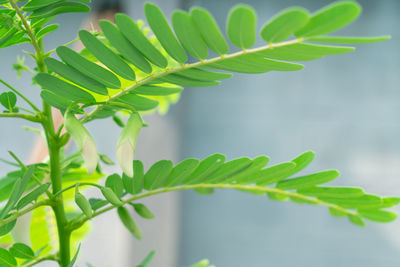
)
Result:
{"points": [[346, 108]]}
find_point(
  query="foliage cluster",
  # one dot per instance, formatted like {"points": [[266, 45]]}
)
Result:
{"points": [[130, 69]]}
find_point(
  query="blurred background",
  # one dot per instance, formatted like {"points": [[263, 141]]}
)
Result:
{"points": [[346, 108]]}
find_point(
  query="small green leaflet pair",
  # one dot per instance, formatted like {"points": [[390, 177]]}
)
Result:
{"points": [[9, 100], [143, 68]]}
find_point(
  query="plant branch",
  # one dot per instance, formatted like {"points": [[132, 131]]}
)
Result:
{"points": [[78, 222], [20, 94], [41, 259], [20, 116], [37, 180], [189, 66], [29, 32], [74, 185], [46, 202]]}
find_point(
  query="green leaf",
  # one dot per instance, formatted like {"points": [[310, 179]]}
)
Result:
{"points": [[8, 100], [106, 56], [148, 259], [363, 202], [37, 4], [63, 89], [303, 161], [134, 185], [54, 100], [157, 174], [207, 166], [83, 203], [388, 202], [335, 192], [255, 166], [378, 215], [181, 171], [127, 50], [163, 32], [348, 39], [330, 18], [229, 169], [337, 213], [46, 30], [199, 74], [59, 8], [6, 228], [241, 26], [188, 34], [88, 68], [22, 251], [283, 25], [14, 39], [202, 263], [32, 196], [111, 197], [6, 259], [249, 63], [114, 182], [357, 220], [142, 210], [138, 178], [204, 191], [129, 223], [308, 180], [183, 81], [105, 159], [97, 203], [157, 90], [209, 30], [75, 76], [71, 264], [132, 32], [139, 103], [277, 196], [118, 120], [17, 191], [303, 52], [272, 174], [7, 36]]}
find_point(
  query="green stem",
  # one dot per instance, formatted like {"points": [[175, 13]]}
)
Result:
{"points": [[53, 144], [20, 116], [78, 222], [46, 202], [74, 185], [58, 208], [41, 259]]}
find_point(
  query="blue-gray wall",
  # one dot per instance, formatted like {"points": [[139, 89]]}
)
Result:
{"points": [[346, 108]]}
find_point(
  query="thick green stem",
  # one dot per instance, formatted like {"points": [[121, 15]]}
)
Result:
{"points": [[53, 144], [58, 208], [55, 174]]}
